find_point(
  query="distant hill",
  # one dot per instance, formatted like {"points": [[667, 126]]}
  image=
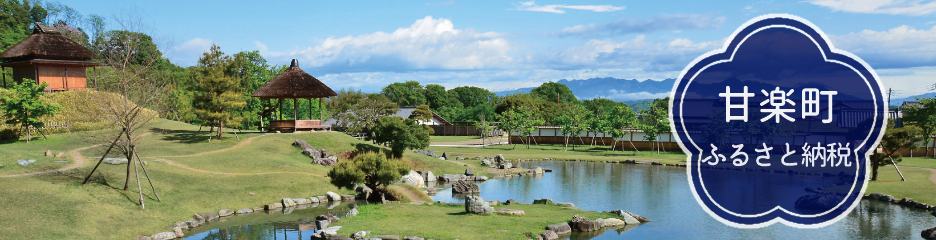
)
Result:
{"points": [[898, 101], [621, 90]]}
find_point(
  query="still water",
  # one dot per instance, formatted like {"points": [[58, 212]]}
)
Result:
{"points": [[660, 193]]}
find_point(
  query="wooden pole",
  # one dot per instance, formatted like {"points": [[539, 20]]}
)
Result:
{"points": [[147, 174], [310, 109], [94, 72], [102, 158], [295, 109], [66, 78], [320, 109], [3, 71], [279, 109], [137, 170]]}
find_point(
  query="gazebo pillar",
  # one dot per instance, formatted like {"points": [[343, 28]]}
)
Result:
{"points": [[295, 110]]}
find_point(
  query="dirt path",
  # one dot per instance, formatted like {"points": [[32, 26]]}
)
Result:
{"points": [[412, 195], [79, 160]]}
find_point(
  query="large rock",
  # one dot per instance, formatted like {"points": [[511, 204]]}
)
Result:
{"points": [[163, 236], [48, 153], [333, 197], [638, 217], [876, 195], [430, 177], [211, 216], [445, 156], [613, 222], [273, 206], [487, 162], [583, 224], [481, 178], [347, 197], [465, 187], [288, 202], [22, 162], [468, 172], [537, 171], [360, 235], [506, 166], [499, 158], [549, 235], [628, 218], [560, 228], [477, 205], [929, 233], [413, 179], [178, 232], [225, 212], [385, 237], [453, 177], [244, 211], [504, 211], [302, 201]]}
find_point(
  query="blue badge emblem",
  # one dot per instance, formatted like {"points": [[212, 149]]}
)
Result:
{"points": [[778, 125]]}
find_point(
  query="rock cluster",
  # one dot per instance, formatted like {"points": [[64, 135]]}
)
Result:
{"points": [[461, 177], [426, 152], [319, 156], [465, 187]]}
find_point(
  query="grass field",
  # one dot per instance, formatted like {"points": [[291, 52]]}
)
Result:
{"points": [[207, 177], [443, 221]]}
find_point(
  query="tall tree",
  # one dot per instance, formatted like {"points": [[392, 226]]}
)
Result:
{"points": [[473, 96], [924, 117], [405, 94], [437, 97], [218, 94], [24, 107], [355, 112]]}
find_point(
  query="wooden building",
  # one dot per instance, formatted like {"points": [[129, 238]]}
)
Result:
{"points": [[48, 56], [295, 84]]}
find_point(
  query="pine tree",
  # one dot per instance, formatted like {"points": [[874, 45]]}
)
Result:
{"points": [[218, 94]]}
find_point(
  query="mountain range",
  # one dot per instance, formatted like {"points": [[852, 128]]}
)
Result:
{"points": [[621, 90]]}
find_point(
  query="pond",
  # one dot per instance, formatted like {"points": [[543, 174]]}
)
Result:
{"points": [[660, 193]]}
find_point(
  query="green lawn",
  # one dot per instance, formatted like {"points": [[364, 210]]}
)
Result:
{"points": [[57, 206], [924, 162], [917, 185], [555, 151], [442, 221]]}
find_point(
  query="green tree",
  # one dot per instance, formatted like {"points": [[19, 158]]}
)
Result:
{"points": [[371, 169], [355, 112], [113, 45], [254, 71], [509, 123], [24, 106], [572, 121], [525, 124], [218, 94], [894, 139], [621, 119], [655, 121], [405, 94], [437, 97], [924, 117], [473, 96], [422, 113], [553, 91], [400, 134]]}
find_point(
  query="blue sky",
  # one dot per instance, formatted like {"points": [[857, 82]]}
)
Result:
{"points": [[503, 45]]}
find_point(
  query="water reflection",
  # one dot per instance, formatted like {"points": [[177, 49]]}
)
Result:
{"points": [[662, 194]]}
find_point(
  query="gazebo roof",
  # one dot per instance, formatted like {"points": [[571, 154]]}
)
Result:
{"points": [[48, 43], [294, 83]]}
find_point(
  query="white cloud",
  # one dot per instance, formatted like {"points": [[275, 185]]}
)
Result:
{"points": [[428, 44], [909, 7], [635, 53], [662, 22], [557, 8], [188, 53], [899, 47], [623, 95]]}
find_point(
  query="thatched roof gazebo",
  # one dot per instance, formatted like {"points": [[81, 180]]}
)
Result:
{"points": [[295, 84], [48, 56]]}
